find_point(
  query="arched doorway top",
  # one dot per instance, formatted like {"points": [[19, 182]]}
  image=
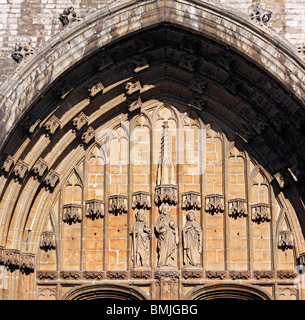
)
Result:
{"points": [[227, 291], [115, 21], [105, 291]]}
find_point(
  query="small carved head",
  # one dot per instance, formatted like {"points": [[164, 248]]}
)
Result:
{"points": [[191, 215], [164, 208], [140, 215]]}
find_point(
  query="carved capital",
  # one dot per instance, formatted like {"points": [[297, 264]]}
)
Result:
{"points": [[191, 200], [285, 240], [52, 124], [95, 209], [237, 208], [72, 213], [79, 121], [40, 167], [260, 212], [166, 193], [118, 204], [51, 178], [214, 203], [141, 200], [20, 169]]}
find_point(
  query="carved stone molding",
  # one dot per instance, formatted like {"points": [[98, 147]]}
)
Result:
{"points": [[27, 262], [214, 203], [260, 212], [47, 275], [95, 209], [141, 200], [141, 274], [6, 162], [68, 16], [51, 178], [40, 167], [21, 52], [104, 61], [192, 274], [191, 200], [166, 193], [94, 275], [52, 124], [72, 213], [285, 240], [240, 275], [237, 208], [71, 275], [216, 274], [47, 241], [79, 121], [118, 204], [264, 274], [260, 16], [88, 135], [286, 274], [167, 274], [20, 169], [123, 275]]}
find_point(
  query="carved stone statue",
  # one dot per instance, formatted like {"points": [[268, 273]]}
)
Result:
{"points": [[168, 238], [192, 241], [141, 234]]}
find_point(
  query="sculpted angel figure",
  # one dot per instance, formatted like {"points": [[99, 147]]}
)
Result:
{"points": [[141, 234], [192, 241], [168, 238]]}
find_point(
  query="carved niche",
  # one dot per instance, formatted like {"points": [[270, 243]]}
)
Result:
{"points": [[237, 208], [214, 203], [141, 200], [191, 200], [260, 212], [285, 240], [118, 204], [72, 213], [95, 209]]}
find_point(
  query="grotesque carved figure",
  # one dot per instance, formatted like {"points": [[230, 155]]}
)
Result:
{"points": [[141, 233], [192, 241], [168, 239]]}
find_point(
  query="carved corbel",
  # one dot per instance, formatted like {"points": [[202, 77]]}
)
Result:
{"points": [[47, 240], [191, 200], [214, 203], [6, 162], [118, 204], [51, 178], [11, 259], [20, 169], [95, 209], [52, 124], [260, 212], [285, 240], [88, 135], [141, 200], [237, 208], [40, 167], [72, 213], [79, 121]]}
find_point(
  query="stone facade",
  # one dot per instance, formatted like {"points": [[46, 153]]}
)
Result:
{"points": [[154, 158]]}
